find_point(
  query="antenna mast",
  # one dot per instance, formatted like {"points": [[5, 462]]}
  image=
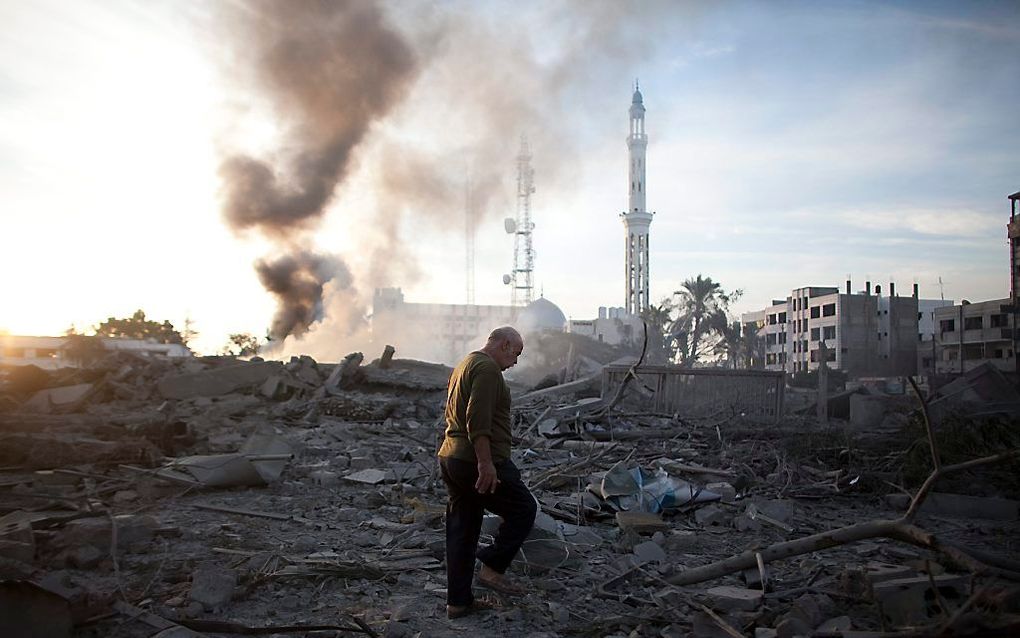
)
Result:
{"points": [[522, 286]]}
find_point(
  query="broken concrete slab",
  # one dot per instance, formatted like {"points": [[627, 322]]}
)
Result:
{"points": [[729, 598], [66, 399], [218, 381], [911, 601], [345, 372]]}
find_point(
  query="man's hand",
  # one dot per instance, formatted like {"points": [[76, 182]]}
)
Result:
{"points": [[487, 481]]}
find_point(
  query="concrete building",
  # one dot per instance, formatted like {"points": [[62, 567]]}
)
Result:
{"points": [[49, 353], [446, 332], [636, 219], [971, 334], [865, 334], [614, 326]]}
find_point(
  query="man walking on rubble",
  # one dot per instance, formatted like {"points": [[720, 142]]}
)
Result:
{"points": [[479, 475]]}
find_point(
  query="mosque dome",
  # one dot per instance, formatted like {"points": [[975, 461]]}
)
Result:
{"points": [[541, 315]]}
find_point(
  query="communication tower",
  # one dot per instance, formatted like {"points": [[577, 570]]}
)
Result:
{"points": [[520, 279]]}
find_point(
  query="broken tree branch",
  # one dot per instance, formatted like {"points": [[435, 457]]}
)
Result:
{"points": [[901, 529], [630, 376]]}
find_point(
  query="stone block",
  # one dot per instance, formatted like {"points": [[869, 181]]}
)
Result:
{"points": [[325, 478], [729, 598]]}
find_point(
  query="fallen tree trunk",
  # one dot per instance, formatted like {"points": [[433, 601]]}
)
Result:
{"points": [[901, 529]]}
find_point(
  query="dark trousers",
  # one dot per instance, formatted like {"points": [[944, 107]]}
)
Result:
{"points": [[511, 501]]}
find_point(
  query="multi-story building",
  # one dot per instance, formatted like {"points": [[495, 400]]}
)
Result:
{"points": [[971, 334], [865, 333]]}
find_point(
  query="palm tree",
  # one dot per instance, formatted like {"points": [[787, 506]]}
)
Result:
{"points": [[701, 306]]}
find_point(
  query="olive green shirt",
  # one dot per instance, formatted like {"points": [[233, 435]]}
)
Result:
{"points": [[477, 404]]}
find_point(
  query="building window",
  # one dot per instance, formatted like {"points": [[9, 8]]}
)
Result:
{"points": [[920, 337], [772, 320], [830, 355], [947, 325], [998, 321], [880, 336], [815, 333], [973, 351], [782, 317], [814, 356], [972, 323], [815, 312], [770, 358], [782, 357], [770, 339], [829, 332], [829, 310], [782, 337]]}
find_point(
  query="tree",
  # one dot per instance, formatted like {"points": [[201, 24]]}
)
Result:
{"points": [[699, 320], [242, 344], [138, 327], [189, 333]]}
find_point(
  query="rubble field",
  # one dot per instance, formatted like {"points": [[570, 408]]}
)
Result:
{"points": [[219, 497]]}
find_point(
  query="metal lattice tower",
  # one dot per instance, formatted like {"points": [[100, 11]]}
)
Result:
{"points": [[522, 283], [469, 244]]}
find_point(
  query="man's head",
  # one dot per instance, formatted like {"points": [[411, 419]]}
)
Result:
{"points": [[504, 345]]}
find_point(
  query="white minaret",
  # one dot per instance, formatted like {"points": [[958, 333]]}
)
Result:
{"points": [[636, 219]]}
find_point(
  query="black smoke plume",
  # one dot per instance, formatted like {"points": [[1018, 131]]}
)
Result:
{"points": [[297, 281], [329, 69]]}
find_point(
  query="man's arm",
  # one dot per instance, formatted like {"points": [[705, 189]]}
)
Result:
{"points": [[487, 481], [481, 401]]}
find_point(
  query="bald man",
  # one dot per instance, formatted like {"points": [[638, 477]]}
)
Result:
{"points": [[479, 475]]}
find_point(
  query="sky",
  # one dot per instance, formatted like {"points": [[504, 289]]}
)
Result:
{"points": [[790, 144]]}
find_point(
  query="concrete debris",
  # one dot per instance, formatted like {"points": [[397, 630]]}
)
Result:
{"points": [[227, 496], [66, 399], [218, 381], [727, 598]]}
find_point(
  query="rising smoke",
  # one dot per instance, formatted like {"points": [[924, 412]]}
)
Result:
{"points": [[330, 69], [419, 100]]}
